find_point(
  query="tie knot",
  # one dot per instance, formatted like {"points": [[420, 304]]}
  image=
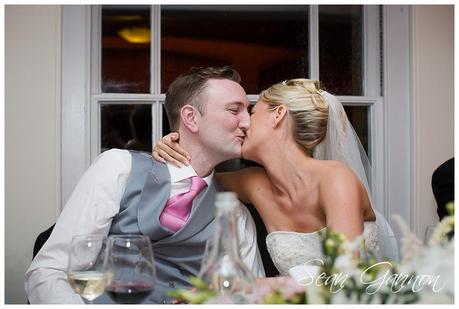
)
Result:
{"points": [[197, 184]]}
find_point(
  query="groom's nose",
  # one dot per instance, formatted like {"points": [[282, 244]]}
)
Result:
{"points": [[244, 122]]}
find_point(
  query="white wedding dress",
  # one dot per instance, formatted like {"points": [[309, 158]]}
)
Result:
{"points": [[289, 249]]}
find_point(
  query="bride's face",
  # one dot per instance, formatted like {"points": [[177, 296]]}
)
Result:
{"points": [[261, 120]]}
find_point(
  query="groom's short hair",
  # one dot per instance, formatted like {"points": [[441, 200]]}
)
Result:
{"points": [[189, 88]]}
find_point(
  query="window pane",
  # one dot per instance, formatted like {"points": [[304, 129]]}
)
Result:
{"points": [[126, 126], [266, 44], [359, 118], [341, 49], [126, 49]]}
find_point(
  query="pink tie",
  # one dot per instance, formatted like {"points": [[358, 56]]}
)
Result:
{"points": [[178, 208]]}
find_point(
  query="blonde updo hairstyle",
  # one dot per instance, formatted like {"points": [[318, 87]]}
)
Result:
{"points": [[306, 107]]}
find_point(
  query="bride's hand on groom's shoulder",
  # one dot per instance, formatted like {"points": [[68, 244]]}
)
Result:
{"points": [[168, 149]]}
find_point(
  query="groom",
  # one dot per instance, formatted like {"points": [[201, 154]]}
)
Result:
{"points": [[127, 193]]}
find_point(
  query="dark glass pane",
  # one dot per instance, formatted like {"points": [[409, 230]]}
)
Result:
{"points": [[125, 49], [359, 118], [266, 44], [341, 49], [126, 127]]}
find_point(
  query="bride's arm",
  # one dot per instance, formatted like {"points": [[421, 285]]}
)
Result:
{"points": [[242, 182], [341, 198], [168, 149]]}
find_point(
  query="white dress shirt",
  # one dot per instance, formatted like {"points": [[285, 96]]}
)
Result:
{"points": [[90, 210]]}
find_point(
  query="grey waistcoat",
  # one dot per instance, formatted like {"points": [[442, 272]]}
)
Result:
{"points": [[177, 255]]}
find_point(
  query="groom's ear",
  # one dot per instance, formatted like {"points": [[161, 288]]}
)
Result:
{"points": [[189, 116], [279, 114]]}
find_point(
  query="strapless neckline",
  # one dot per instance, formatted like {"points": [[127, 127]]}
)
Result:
{"points": [[294, 232], [290, 248]]}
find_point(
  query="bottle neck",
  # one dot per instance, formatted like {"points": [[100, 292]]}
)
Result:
{"points": [[226, 238]]}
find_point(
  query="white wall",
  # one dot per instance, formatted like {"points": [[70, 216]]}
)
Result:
{"points": [[32, 134], [433, 104]]}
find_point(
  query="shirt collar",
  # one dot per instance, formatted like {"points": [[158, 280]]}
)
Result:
{"points": [[185, 172]]}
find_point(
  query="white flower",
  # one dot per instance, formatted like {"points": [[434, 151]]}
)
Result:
{"points": [[439, 235], [314, 294], [435, 298], [438, 262], [341, 299], [346, 265], [412, 246], [351, 246]]}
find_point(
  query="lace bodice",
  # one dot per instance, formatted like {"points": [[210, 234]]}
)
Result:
{"points": [[288, 249]]}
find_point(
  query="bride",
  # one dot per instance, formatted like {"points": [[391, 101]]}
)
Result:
{"points": [[313, 175]]}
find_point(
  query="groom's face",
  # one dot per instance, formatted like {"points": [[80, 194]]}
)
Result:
{"points": [[225, 120]]}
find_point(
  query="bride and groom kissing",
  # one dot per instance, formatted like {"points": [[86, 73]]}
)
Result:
{"points": [[312, 178]]}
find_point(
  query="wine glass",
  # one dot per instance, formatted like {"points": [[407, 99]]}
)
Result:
{"points": [[85, 270], [131, 267]]}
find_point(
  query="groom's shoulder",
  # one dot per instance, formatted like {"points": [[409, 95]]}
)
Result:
{"points": [[112, 156], [115, 157], [144, 161], [144, 157]]}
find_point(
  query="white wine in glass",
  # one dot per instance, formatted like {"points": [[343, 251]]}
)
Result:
{"points": [[86, 273]]}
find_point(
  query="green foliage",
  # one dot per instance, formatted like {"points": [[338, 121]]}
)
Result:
{"points": [[198, 295]]}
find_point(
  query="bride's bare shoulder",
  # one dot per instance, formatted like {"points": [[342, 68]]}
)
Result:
{"points": [[337, 173]]}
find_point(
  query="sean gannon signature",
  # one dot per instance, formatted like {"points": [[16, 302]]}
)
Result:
{"points": [[394, 281]]}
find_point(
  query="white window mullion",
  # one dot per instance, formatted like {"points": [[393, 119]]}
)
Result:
{"points": [[76, 23], [397, 122], [314, 42], [96, 72], [155, 49], [155, 78], [372, 87], [371, 51], [157, 120], [376, 153], [95, 127], [96, 50]]}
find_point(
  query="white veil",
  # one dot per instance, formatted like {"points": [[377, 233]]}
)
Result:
{"points": [[341, 143]]}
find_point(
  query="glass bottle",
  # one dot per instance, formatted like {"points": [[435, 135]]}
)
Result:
{"points": [[224, 271]]}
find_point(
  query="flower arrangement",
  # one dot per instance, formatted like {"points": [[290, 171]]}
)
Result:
{"points": [[424, 275]]}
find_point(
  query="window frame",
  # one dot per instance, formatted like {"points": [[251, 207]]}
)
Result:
{"points": [[81, 107]]}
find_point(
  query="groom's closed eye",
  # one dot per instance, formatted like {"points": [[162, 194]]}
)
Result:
{"points": [[234, 107]]}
